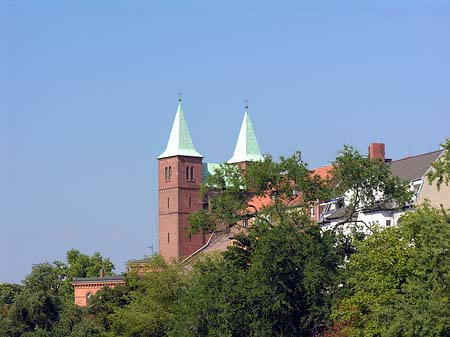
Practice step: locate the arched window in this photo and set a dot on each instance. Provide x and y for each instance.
(170, 172)
(192, 173)
(187, 172)
(88, 298)
(166, 173)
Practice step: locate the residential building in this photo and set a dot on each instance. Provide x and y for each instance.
(412, 169)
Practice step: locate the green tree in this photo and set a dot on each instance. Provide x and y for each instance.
(108, 300)
(441, 168)
(43, 305)
(145, 309)
(275, 281)
(231, 193)
(210, 303)
(8, 292)
(400, 279)
(76, 322)
(280, 275)
(363, 183)
(81, 265)
(36, 309)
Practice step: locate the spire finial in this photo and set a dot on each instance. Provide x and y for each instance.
(246, 104)
(179, 96)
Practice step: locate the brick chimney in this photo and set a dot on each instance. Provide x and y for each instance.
(376, 150)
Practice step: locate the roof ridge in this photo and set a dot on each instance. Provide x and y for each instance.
(417, 155)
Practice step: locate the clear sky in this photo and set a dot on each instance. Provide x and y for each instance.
(88, 93)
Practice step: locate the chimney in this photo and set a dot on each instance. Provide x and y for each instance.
(376, 150)
(102, 273)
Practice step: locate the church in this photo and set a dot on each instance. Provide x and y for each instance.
(181, 171)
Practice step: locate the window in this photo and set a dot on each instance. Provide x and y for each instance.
(168, 173)
(168, 202)
(189, 173)
(190, 238)
(245, 223)
(190, 201)
(388, 223)
(88, 298)
(168, 237)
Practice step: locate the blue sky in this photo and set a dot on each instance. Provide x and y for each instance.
(88, 93)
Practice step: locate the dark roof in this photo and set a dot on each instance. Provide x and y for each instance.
(413, 168)
(336, 214)
(100, 279)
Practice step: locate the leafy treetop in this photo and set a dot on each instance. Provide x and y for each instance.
(234, 194)
(441, 168)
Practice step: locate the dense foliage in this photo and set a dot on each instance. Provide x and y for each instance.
(399, 282)
(43, 304)
(276, 281)
(233, 192)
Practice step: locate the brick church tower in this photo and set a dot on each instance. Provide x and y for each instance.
(180, 174)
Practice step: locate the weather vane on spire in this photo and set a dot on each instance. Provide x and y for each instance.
(179, 96)
(246, 104)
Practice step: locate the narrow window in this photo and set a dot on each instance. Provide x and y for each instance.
(190, 201)
(170, 172)
(168, 202)
(245, 223)
(166, 175)
(192, 172)
(187, 172)
(168, 237)
(88, 298)
(190, 238)
(388, 223)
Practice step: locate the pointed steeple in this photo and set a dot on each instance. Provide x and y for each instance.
(247, 148)
(180, 141)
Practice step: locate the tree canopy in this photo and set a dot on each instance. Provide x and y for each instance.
(43, 304)
(364, 183)
(232, 193)
(399, 282)
(441, 168)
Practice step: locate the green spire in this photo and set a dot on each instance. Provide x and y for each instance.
(180, 141)
(247, 148)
